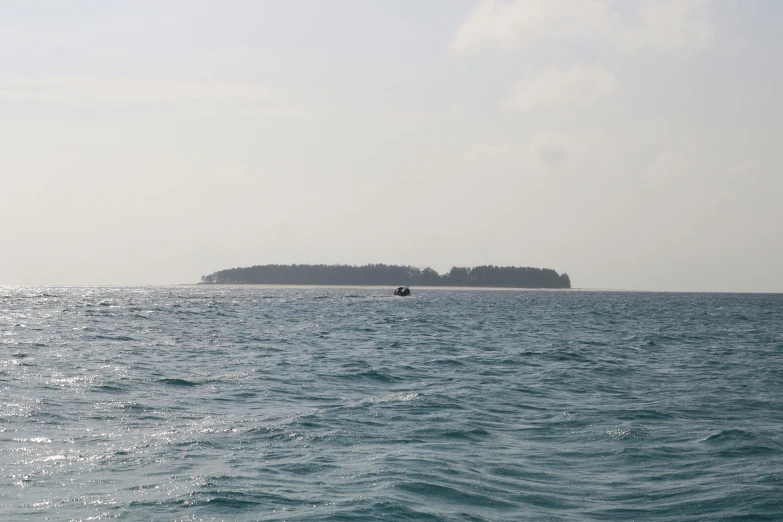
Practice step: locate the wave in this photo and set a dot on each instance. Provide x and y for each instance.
(178, 382)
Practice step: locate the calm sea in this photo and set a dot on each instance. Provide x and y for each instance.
(260, 403)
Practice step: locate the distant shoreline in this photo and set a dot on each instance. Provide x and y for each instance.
(477, 288)
(379, 287)
(485, 276)
(423, 287)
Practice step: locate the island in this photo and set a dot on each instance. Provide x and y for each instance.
(390, 275)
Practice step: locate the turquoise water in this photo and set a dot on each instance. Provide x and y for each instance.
(254, 403)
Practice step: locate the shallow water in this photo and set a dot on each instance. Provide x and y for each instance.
(258, 403)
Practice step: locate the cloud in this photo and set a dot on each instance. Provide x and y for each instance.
(18, 35)
(130, 89)
(669, 25)
(657, 25)
(555, 87)
(479, 152)
(283, 111)
(520, 23)
(552, 153)
(548, 149)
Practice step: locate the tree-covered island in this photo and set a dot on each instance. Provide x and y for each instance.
(391, 275)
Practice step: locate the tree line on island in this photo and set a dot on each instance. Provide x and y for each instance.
(391, 275)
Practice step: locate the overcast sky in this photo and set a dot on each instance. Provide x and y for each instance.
(631, 144)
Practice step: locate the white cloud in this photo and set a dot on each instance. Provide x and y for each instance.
(284, 111)
(520, 23)
(17, 35)
(659, 25)
(133, 89)
(588, 149)
(555, 87)
(669, 25)
(549, 149)
(479, 152)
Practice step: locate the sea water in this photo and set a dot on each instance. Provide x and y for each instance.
(262, 403)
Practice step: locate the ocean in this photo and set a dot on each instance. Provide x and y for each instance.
(265, 403)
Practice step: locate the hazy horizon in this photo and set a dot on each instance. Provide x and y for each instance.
(632, 145)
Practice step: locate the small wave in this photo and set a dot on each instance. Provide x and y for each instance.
(178, 382)
(751, 450)
(303, 469)
(198, 443)
(570, 356)
(627, 433)
(470, 435)
(740, 443)
(400, 397)
(645, 414)
(114, 338)
(109, 388)
(593, 343)
(36, 440)
(397, 397)
(51, 458)
(34, 296)
(232, 500)
(730, 436)
(448, 494)
(385, 511)
(372, 375)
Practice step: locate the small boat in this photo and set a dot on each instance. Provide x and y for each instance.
(402, 291)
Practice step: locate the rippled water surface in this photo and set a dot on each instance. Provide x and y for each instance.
(261, 403)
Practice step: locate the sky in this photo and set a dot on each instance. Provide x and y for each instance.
(631, 144)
